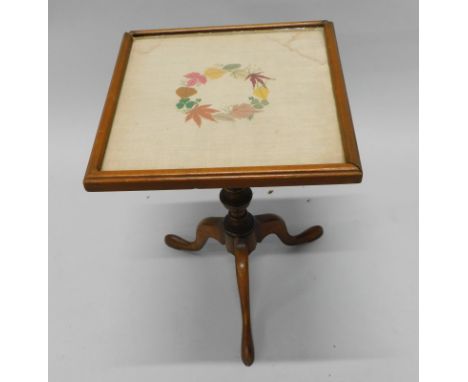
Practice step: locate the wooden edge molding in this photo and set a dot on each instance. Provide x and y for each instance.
(259, 176)
(227, 28)
(136, 183)
(222, 177)
(110, 106)
(348, 137)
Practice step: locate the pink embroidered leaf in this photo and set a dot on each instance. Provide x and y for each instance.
(244, 110)
(195, 78)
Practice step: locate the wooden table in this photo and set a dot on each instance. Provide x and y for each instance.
(230, 107)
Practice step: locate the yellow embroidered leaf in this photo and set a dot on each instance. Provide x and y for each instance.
(261, 92)
(213, 73)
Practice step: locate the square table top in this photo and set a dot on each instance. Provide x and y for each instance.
(231, 106)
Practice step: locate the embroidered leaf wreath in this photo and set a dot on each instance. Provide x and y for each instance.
(193, 108)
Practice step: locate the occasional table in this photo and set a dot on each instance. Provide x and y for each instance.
(228, 107)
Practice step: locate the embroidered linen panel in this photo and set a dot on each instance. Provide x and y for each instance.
(229, 99)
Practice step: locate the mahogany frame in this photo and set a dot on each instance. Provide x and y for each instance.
(225, 177)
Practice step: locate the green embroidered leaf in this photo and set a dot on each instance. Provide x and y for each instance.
(256, 103)
(265, 102)
(184, 100)
(180, 105)
(190, 104)
(231, 66)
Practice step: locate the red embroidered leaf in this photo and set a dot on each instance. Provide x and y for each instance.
(257, 78)
(199, 112)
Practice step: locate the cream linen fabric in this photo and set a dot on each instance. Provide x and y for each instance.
(299, 126)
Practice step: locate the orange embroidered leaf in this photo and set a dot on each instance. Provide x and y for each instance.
(185, 92)
(199, 112)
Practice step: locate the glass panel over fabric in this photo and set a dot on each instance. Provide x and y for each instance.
(226, 99)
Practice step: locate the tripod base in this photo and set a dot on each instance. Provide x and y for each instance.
(240, 232)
